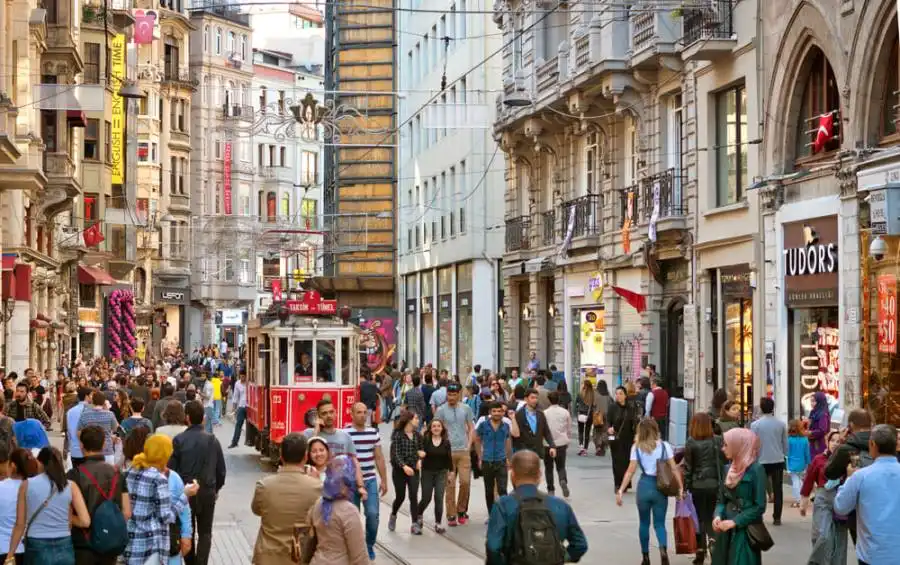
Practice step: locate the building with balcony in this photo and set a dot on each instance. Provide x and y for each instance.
(287, 187)
(595, 124)
(164, 179)
(225, 228)
(450, 193)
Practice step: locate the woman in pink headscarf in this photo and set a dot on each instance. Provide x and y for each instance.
(742, 500)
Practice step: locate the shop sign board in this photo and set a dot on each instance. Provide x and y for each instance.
(735, 281)
(887, 314)
(810, 258)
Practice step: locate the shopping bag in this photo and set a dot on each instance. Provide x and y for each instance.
(685, 535)
(685, 508)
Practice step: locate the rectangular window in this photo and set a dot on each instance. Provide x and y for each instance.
(107, 141)
(218, 149)
(418, 241)
(92, 140)
(281, 106)
(462, 220)
(409, 239)
(91, 63)
(87, 296)
(309, 212)
(731, 148)
(310, 170)
(261, 150)
(452, 224)
(283, 156)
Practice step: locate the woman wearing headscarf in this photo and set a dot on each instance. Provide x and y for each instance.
(340, 538)
(153, 509)
(819, 424)
(742, 500)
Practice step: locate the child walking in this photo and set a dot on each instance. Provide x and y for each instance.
(797, 458)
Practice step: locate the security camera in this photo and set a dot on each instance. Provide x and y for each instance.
(878, 248)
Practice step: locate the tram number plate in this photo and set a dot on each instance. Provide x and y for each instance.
(276, 400)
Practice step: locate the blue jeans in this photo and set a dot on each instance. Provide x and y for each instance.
(217, 411)
(651, 504)
(370, 509)
(208, 421)
(53, 551)
(239, 417)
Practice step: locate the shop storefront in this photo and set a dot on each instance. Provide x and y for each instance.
(463, 317)
(170, 328)
(426, 320)
(230, 324)
(412, 319)
(588, 326)
(811, 282)
(737, 334)
(445, 318)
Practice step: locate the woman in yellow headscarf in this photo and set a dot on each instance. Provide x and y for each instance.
(154, 507)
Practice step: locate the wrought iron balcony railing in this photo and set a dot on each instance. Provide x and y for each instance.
(710, 19)
(518, 233)
(548, 227)
(583, 214)
(667, 201)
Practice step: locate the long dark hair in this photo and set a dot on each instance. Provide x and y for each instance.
(26, 464)
(51, 459)
(603, 388)
(404, 418)
(134, 442)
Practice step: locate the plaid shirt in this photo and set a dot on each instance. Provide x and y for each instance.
(405, 451)
(415, 402)
(152, 510)
(30, 410)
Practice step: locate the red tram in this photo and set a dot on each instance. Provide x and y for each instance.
(297, 355)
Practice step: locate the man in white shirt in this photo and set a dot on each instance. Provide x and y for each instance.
(239, 398)
(559, 421)
(223, 348)
(205, 391)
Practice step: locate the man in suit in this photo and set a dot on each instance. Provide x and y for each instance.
(283, 500)
(533, 429)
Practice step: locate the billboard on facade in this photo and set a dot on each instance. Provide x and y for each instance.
(226, 184)
(117, 55)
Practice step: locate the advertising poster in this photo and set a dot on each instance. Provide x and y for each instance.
(226, 182)
(117, 127)
(887, 314)
(819, 366)
(593, 344)
(379, 343)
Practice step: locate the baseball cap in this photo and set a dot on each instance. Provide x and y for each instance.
(454, 387)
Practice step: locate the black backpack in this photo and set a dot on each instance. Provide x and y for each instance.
(536, 540)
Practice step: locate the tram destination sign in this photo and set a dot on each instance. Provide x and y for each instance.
(312, 304)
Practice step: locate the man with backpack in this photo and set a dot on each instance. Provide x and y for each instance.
(107, 501)
(529, 527)
(854, 449)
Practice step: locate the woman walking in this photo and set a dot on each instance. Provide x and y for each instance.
(406, 461)
(819, 424)
(622, 419)
(340, 538)
(702, 469)
(647, 452)
(829, 535)
(20, 466)
(45, 505)
(729, 417)
(585, 406)
(436, 467)
(601, 407)
(742, 500)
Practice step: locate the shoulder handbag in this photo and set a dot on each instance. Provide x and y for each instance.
(665, 479)
(598, 417)
(758, 535)
(304, 541)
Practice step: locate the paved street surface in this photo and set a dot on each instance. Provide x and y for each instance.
(611, 531)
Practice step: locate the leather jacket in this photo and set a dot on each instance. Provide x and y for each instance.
(702, 463)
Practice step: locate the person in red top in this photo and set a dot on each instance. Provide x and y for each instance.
(658, 406)
(815, 473)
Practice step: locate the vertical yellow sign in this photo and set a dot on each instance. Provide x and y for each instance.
(117, 53)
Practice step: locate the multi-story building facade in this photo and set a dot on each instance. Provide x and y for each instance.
(287, 185)
(163, 192)
(223, 275)
(450, 193)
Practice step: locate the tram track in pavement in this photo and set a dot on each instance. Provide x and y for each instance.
(399, 559)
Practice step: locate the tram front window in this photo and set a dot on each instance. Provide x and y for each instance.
(325, 361)
(303, 361)
(282, 361)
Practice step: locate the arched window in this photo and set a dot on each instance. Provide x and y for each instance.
(206, 39)
(229, 47)
(244, 47)
(889, 110)
(218, 41)
(820, 96)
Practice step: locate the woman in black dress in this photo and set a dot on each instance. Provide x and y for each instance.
(622, 418)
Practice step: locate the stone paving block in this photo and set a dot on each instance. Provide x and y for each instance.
(229, 546)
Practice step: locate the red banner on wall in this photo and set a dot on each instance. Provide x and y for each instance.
(227, 181)
(887, 314)
(276, 290)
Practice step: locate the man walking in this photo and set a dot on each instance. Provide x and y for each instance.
(22, 407)
(415, 399)
(658, 405)
(508, 514)
(457, 418)
(283, 501)
(533, 428)
(197, 456)
(367, 442)
(73, 416)
(206, 392)
(239, 399)
(559, 420)
(871, 492)
(773, 442)
(167, 393)
(339, 441)
(493, 444)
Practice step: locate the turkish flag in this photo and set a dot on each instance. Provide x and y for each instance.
(637, 301)
(92, 236)
(276, 290)
(825, 133)
(144, 25)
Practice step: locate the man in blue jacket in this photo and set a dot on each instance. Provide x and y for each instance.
(503, 523)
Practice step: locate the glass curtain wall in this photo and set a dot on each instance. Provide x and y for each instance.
(445, 318)
(464, 318)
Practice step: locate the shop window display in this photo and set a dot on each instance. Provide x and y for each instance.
(813, 365)
(739, 352)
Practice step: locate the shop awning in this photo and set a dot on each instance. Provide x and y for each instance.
(538, 264)
(76, 118)
(94, 275)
